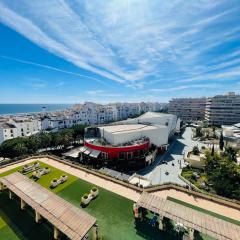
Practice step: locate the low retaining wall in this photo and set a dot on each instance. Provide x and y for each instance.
(207, 196)
(189, 183)
(167, 186)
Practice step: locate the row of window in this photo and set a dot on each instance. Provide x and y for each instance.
(126, 155)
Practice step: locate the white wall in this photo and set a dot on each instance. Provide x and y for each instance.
(1, 135)
(157, 136)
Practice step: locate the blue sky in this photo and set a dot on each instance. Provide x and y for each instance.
(118, 50)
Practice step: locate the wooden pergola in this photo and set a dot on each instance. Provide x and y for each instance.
(65, 217)
(193, 219)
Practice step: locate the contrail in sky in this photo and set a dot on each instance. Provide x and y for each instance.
(52, 68)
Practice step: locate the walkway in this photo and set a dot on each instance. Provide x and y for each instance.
(134, 195)
(195, 220)
(174, 155)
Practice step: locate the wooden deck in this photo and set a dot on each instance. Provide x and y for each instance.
(202, 222)
(67, 218)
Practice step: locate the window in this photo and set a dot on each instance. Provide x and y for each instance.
(129, 155)
(121, 156)
(104, 155)
(136, 153)
(142, 152)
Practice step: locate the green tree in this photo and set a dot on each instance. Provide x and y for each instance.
(32, 143)
(214, 132)
(66, 137)
(199, 132)
(221, 142)
(20, 149)
(195, 150)
(212, 151)
(78, 131)
(224, 174)
(13, 148)
(55, 139)
(231, 153)
(45, 139)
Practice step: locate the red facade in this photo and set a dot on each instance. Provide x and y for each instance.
(113, 152)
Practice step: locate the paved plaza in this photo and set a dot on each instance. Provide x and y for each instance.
(174, 158)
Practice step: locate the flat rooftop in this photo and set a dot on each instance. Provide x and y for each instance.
(124, 128)
(155, 115)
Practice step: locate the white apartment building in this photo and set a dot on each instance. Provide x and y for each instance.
(87, 113)
(218, 110)
(19, 127)
(223, 109)
(188, 109)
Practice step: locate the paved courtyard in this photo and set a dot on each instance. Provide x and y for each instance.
(174, 158)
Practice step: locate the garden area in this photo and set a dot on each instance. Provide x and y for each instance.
(195, 176)
(219, 175)
(113, 212)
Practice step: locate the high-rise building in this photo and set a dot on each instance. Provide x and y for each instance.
(188, 109)
(223, 109)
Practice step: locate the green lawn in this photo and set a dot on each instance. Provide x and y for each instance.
(113, 213)
(46, 179)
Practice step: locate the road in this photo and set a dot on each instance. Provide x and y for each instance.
(174, 155)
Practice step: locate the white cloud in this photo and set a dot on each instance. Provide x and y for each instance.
(102, 93)
(36, 83)
(130, 43)
(183, 87)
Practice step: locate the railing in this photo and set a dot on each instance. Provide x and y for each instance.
(161, 187)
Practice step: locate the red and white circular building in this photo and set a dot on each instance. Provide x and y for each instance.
(130, 151)
(129, 141)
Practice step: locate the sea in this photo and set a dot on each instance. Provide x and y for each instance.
(7, 109)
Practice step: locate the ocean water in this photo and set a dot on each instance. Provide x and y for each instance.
(30, 108)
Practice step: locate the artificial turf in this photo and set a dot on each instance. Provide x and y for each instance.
(45, 180)
(112, 211)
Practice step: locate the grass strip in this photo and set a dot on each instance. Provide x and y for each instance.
(227, 219)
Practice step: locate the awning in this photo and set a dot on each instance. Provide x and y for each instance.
(82, 149)
(95, 153)
(87, 151)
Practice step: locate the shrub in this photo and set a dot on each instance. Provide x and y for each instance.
(85, 196)
(94, 189)
(195, 150)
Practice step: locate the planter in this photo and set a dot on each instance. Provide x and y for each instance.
(37, 175)
(94, 192)
(63, 178)
(27, 168)
(86, 199)
(36, 164)
(55, 182)
(47, 170)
